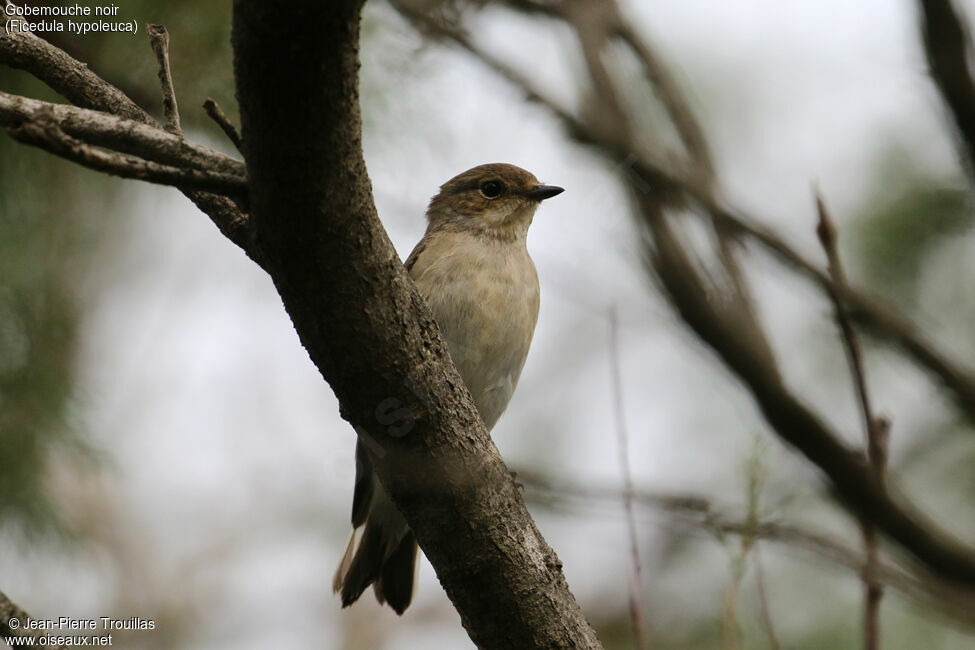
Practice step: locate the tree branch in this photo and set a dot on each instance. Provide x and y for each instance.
(13, 622)
(127, 136)
(217, 115)
(855, 482)
(46, 134)
(701, 514)
(948, 50)
(641, 632)
(875, 430)
(371, 334)
(70, 78)
(159, 39)
(82, 87)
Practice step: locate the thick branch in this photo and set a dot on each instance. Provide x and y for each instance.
(371, 334)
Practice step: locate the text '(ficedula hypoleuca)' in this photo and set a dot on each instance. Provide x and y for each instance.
(473, 268)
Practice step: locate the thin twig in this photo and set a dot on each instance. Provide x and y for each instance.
(874, 430)
(637, 606)
(159, 39)
(700, 513)
(218, 116)
(46, 134)
(826, 232)
(764, 609)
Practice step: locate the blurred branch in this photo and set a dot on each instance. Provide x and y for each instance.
(765, 611)
(881, 318)
(855, 482)
(875, 430)
(78, 84)
(13, 626)
(637, 607)
(948, 50)
(701, 514)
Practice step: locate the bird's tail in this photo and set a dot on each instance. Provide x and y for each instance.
(385, 555)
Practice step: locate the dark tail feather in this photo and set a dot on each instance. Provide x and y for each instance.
(375, 560)
(395, 582)
(365, 566)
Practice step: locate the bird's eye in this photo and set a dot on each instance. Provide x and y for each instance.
(492, 189)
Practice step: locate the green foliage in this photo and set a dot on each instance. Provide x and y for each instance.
(907, 220)
(38, 332)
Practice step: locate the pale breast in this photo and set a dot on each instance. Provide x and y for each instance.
(484, 296)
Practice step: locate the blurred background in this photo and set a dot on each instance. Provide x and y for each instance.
(168, 450)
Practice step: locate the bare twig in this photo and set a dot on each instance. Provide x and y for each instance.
(637, 606)
(65, 75)
(127, 136)
(793, 421)
(701, 514)
(874, 431)
(159, 39)
(14, 626)
(764, 609)
(826, 231)
(948, 52)
(218, 116)
(881, 318)
(75, 81)
(46, 134)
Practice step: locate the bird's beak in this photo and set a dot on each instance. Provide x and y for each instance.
(542, 192)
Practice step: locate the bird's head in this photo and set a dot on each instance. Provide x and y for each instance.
(497, 199)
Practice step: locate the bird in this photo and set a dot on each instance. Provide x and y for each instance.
(473, 268)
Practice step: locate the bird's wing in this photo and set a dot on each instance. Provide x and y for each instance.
(415, 255)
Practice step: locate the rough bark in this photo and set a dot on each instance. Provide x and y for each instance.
(370, 333)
